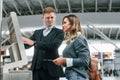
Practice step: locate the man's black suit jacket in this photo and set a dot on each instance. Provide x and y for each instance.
(47, 48)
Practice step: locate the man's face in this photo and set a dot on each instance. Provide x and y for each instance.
(49, 19)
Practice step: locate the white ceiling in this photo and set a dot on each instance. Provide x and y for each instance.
(32, 7)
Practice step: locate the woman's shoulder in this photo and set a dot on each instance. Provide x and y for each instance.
(80, 39)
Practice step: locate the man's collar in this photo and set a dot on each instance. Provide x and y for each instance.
(49, 27)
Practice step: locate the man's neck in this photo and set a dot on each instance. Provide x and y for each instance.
(49, 26)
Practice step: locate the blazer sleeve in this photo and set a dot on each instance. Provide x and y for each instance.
(82, 52)
(32, 38)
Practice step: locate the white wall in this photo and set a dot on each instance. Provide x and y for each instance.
(104, 19)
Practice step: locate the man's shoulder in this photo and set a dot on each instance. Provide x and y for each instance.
(57, 29)
(38, 30)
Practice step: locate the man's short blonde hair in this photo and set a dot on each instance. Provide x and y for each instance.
(48, 10)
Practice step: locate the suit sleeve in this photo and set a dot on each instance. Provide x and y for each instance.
(32, 38)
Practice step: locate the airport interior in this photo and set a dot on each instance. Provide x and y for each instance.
(100, 20)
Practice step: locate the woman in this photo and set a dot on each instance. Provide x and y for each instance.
(76, 55)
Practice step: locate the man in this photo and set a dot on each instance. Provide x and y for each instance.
(46, 42)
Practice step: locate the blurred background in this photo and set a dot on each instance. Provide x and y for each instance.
(100, 20)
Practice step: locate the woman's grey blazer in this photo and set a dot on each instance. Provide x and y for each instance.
(78, 50)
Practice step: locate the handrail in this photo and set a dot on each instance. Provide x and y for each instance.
(102, 35)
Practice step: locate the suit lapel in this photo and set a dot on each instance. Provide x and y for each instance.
(39, 35)
(51, 34)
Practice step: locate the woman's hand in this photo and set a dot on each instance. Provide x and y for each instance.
(59, 61)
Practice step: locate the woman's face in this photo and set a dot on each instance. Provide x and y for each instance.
(66, 25)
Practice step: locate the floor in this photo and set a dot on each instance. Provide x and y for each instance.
(105, 78)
